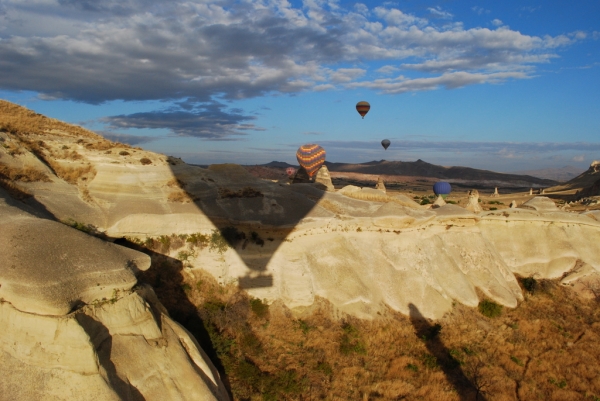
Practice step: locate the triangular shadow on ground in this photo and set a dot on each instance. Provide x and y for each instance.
(254, 215)
(429, 334)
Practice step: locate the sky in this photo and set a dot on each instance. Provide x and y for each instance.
(506, 86)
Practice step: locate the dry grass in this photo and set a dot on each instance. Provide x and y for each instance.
(181, 196)
(73, 174)
(27, 174)
(14, 190)
(547, 348)
(22, 122)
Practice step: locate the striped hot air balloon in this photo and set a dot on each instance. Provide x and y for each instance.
(311, 157)
(363, 108)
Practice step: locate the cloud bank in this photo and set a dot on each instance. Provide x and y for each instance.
(96, 51)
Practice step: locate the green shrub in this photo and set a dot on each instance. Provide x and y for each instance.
(350, 341)
(429, 361)
(490, 308)
(217, 242)
(260, 308)
(529, 283)
(412, 367)
(425, 201)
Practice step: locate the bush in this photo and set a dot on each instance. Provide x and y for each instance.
(124, 153)
(145, 161)
(425, 201)
(489, 308)
(260, 308)
(529, 283)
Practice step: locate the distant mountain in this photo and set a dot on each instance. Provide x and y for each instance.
(421, 168)
(278, 164)
(562, 174)
(587, 179)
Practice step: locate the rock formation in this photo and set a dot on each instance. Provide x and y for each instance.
(540, 203)
(473, 202)
(76, 327)
(380, 185)
(301, 176)
(439, 202)
(323, 179)
(513, 204)
(495, 194)
(530, 191)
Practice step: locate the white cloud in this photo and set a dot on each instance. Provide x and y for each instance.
(387, 69)
(480, 10)
(579, 158)
(439, 13)
(497, 22)
(347, 74)
(101, 50)
(448, 81)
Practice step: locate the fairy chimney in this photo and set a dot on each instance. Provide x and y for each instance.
(380, 185)
(473, 203)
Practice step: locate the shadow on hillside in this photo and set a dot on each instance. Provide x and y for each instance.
(165, 275)
(95, 329)
(429, 333)
(254, 224)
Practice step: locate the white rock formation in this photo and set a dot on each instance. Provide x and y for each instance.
(513, 204)
(74, 328)
(473, 202)
(323, 178)
(540, 203)
(439, 202)
(495, 194)
(380, 185)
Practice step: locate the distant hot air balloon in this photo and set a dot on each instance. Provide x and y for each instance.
(363, 108)
(311, 157)
(385, 143)
(442, 188)
(290, 171)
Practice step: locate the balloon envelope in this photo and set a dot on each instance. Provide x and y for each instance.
(290, 171)
(442, 188)
(311, 157)
(385, 143)
(363, 108)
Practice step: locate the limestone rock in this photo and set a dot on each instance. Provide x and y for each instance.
(380, 185)
(301, 176)
(116, 350)
(540, 203)
(473, 202)
(439, 202)
(495, 194)
(323, 179)
(530, 191)
(513, 204)
(48, 267)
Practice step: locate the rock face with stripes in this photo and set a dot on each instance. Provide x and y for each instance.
(311, 157)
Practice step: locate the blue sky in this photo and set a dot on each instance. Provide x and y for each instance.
(505, 86)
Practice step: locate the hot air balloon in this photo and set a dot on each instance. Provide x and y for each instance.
(290, 171)
(442, 188)
(385, 143)
(363, 108)
(311, 157)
